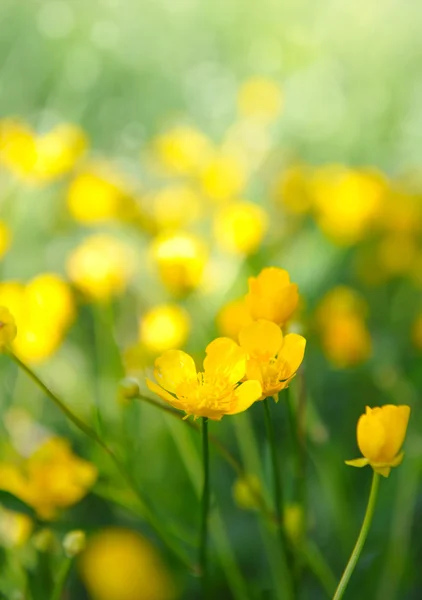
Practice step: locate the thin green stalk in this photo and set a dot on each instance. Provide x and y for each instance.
(278, 492)
(319, 567)
(205, 507)
(61, 579)
(341, 588)
(91, 433)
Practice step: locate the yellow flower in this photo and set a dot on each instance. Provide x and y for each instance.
(240, 227)
(175, 206)
(164, 327)
(7, 327)
(5, 238)
(271, 296)
(18, 151)
(15, 528)
(49, 300)
(119, 564)
(213, 393)
(380, 435)
(273, 359)
(58, 151)
(232, 317)
(100, 267)
(183, 150)
(181, 260)
(223, 178)
(260, 98)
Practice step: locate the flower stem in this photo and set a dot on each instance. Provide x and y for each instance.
(61, 580)
(205, 506)
(278, 491)
(341, 588)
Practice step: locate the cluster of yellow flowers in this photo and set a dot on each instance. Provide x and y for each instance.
(43, 309)
(235, 375)
(52, 478)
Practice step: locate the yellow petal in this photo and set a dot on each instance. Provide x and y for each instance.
(357, 462)
(395, 420)
(246, 394)
(261, 339)
(174, 367)
(254, 371)
(225, 359)
(371, 436)
(292, 352)
(157, 389)
(384, 471)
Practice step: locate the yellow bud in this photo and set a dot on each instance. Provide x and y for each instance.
(128, 389)
(74, 543)
(44, 540)
(271, 295)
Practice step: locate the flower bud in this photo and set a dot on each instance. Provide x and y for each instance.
(74, 543)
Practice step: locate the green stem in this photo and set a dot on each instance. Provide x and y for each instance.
(278, 491)
(87, 430)
(205, 507)
(341, 588)
(61, 579)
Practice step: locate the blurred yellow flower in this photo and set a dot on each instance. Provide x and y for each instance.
(164, 327)
(271, 295)
(247, 491)
(49, 299)
(12, 295)
(401, 212)
(183, 150)
(15, 528)
(52, 478)
(292, 190)
(175, 206)
(273, 359)
(213, 393)
(240, 227)
(100, 267)
(58, 151)
(96, 196)
(119, 564)
(397, 253)
(260, 98)
(294, 521)
(232, 317)
(380, 435)
(36, 341)
(223, 177)
(340, 318)
(347, 202)
(181, 259)
(5, 238)
(7, 328)
(18, 151)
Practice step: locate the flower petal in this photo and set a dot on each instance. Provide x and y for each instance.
(157, 389)
(395, 420)
(246, 394)
(384, 471)
(225, 359)
(357, 462)
(174, 367)
(371, 435)
(292, 352)
(261, 339)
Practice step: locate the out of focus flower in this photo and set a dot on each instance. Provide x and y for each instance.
(292, 190)
(273, 359)
(119, 564)
(271, 296)
(213, 393)
(247, 491)
(98, 196)
(397, 253)
(223, 178)
(183, 150)
(347, 202)
(164, 327)
(74, 543)
(100, 267)
(15, 528)
(18, 151)
(380, 434)
(175, 206)
(52, 478)
(181, 259)
(232, 317)
(341, 321)
(49, 299)
(294, 522)
(401, 213)
(7, 328)
(260, 98)
(5, 238)
(58, 151)
(128, 389)
(240, 227)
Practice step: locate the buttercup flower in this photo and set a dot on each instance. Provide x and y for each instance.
(7, 327)
(212, 393)
(380, 434)
(273, 359)
(232, 317)
(271, 295)
(163, 327)
(240, 227)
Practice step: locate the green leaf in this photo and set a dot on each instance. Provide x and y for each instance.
(12, 502)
